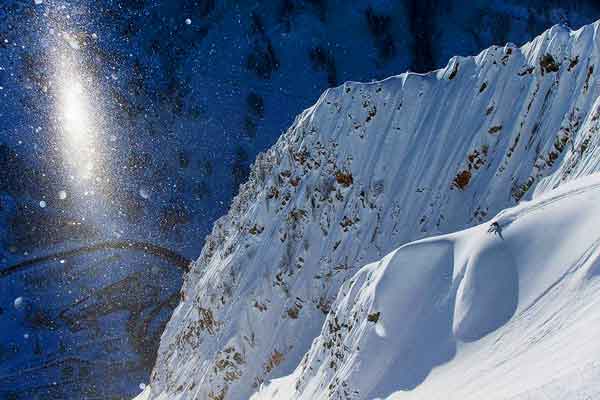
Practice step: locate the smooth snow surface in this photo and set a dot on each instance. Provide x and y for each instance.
(470, 315)
(371, 167)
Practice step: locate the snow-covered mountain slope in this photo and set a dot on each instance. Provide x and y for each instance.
(369, 168)
(185, 94)
(470, 315)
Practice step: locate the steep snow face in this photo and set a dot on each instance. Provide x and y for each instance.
(188, 92)
(368, 168)
(505, 315)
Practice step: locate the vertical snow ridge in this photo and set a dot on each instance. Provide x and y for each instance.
(369, 167)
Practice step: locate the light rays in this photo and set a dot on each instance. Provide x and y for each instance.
(78, 127)
(79, 116)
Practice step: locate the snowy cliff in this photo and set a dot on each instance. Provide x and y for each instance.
(504, 315)
(367, 169)
(187, 93)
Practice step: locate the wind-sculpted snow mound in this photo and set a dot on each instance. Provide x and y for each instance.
(486, 308)
(489, 293)
(369, 168)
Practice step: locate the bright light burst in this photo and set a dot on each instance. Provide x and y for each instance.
(78, 120)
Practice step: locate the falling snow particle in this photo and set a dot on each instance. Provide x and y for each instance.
(142, 386)
(19, 301)
(62, 195)
(43, 204)
(70, 39)
(144, 193)
(38, 2)
(188, 21)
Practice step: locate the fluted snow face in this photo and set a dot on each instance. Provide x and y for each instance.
(469, 315)
(369, 168)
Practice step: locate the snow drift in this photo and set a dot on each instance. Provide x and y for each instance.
(369, 168)
(500, 316)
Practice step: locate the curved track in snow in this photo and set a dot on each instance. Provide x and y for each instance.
(171, 256)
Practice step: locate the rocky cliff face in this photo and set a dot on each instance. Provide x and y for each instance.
(368, 168)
